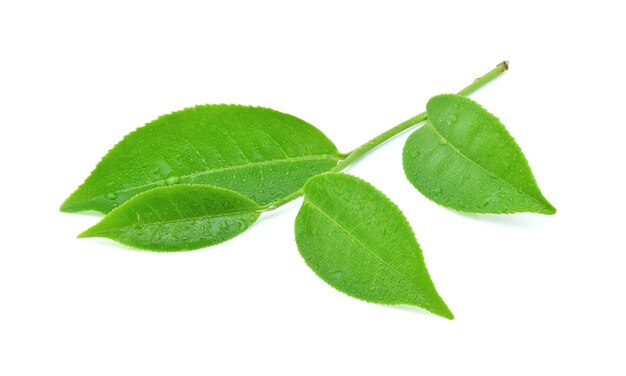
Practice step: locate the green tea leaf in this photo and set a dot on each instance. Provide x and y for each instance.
(465, 159)
(261, 153)
(178, 218)
(359, 242)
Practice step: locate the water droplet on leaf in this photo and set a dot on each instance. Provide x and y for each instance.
(173, 180)
(111, 196)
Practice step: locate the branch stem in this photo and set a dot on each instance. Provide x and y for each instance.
(392, 132)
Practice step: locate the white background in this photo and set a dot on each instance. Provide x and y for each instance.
(532, 294)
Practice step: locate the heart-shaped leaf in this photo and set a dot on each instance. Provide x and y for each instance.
(261, 153)
(359, 242)
(465, 159)
(178, 218)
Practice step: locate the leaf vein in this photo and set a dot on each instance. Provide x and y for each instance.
(459, 152)
(357, 240)
(235, 168)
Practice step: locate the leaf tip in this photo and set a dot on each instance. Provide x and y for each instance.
(441, 309)
(89, 233)
(447, 314)
(74, 204)
(547, 208)
(551, 210)
(66, 206)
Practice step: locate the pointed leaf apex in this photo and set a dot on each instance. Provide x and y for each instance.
(442, 310)
(89, 233)
(550, 209)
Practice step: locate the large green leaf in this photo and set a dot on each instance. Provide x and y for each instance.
(359, 242)
(465, 159)
(258, 152)
(178, 218)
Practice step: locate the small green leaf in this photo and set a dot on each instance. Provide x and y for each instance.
(178, 218)
(261, 153)
(465, 159)
(359, 242)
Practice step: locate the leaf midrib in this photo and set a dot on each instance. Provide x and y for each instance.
(179, 220)
(233, 168)
(459, 152)
(360, 242)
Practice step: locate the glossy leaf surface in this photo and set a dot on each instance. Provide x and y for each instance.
(261, 153)
(465, 159)
(359, 242)
(178, 218)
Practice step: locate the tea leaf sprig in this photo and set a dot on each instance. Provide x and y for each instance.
(203, 175)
